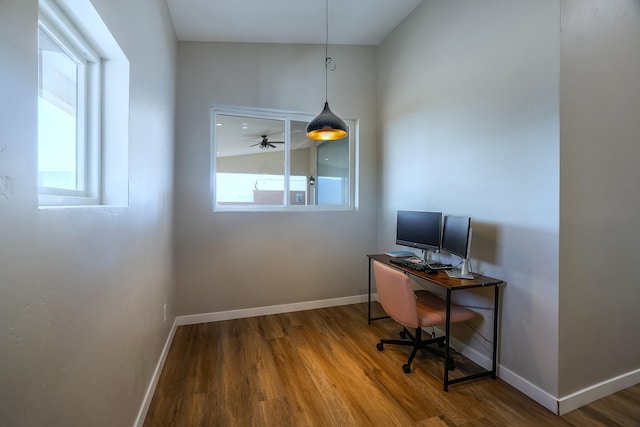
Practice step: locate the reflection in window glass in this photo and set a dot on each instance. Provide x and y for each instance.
(333, 172)
(252, 189)
(57, 117)
(250, 161)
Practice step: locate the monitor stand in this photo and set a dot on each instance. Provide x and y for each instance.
(428, 256)
(463, 273)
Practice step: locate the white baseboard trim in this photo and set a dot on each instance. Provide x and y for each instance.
(271, 309)
(529, 389)
(558, 406)
(533, 392)
(597, 391)
(146, 402)
(564, 405)
(473, 354)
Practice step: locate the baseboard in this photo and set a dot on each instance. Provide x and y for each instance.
(146, 402)
(533, 392)
(472, 354)
(558, 406)
(469, 352)
(271, 309)
(529, 389)
(597, 391)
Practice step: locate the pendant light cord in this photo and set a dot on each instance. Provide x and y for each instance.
(329, 65)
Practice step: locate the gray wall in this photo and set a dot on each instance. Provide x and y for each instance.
(82, 289)
(600, 195)
(227, 260)
(468, 99)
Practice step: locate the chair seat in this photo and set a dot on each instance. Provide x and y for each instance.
(432, 310)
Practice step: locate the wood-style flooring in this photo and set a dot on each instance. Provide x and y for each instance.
(321, 368)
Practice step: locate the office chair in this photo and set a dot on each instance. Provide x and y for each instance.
(413, 309)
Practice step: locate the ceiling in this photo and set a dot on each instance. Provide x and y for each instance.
(238, 135)
(355, 22)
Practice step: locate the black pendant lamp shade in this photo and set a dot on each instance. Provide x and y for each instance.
(326, 126)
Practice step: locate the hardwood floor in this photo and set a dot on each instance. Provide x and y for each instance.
(321, 368)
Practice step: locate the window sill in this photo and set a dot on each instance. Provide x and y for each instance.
(305, 208)
(49, 201)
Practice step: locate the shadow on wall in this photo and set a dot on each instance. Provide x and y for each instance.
(484, 242)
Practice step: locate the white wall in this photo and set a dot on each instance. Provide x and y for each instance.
(600, 195)
(82, 289)
(226, 260)
(468, 98)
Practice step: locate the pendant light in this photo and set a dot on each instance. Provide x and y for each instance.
(327, 126)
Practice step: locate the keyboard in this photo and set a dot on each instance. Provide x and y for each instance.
(438, 266)
(421, 265)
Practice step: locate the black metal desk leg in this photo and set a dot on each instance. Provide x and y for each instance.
(369, 301)
(447, 334)
(495, 329)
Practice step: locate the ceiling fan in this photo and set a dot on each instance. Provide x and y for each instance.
(265, 143)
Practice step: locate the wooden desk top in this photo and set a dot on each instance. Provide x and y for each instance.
(441, 278)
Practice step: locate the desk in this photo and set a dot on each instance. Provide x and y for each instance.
(450, 284)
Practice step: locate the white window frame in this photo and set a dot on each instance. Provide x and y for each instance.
(57, 26)
(286, 117)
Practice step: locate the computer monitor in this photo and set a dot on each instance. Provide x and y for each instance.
(456, 240)
(419, 229)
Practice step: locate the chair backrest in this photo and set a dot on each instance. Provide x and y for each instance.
(396, 294)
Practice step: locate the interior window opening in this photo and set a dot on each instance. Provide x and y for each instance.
(263, 160)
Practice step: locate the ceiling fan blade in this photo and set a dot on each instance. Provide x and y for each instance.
(253, 145)
(271, 145)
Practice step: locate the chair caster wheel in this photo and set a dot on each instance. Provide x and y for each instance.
(451, 365)
(406, 368)
(379, 346)
(441, 344)
(403, 334)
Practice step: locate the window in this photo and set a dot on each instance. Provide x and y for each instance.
(263, 160)
(83, 108)
(68, 110)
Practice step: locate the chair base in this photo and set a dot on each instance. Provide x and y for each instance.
(418, 344)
